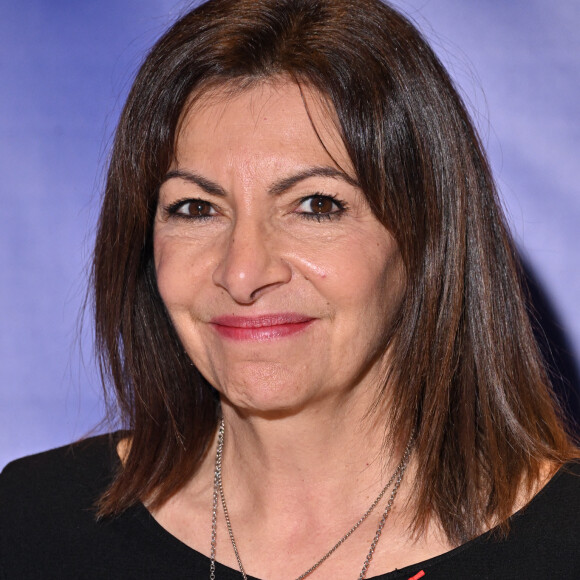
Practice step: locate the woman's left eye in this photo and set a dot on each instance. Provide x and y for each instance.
(320, 207)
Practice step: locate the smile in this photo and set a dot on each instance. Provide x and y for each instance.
(261, 328)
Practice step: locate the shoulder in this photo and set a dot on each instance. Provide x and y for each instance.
(46, 500)
(49, 529)
(544, 537)
(60, 475)
(560, 492)
(557, 504)
(550, 519)
(543, 540)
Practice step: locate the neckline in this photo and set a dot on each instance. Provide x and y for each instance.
(152, 525)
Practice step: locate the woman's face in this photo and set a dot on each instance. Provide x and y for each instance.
(279, 279)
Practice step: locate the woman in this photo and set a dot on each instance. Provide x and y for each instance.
(308, 305)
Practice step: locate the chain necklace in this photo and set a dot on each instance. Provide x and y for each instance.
(218, 493)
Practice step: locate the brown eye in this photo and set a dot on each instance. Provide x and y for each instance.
(196, 208)
(320, 206)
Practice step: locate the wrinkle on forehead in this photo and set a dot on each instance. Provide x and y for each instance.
(318, 108)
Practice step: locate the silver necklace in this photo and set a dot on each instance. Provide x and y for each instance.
(218, 493)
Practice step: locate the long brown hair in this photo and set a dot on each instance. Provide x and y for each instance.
(466, 374)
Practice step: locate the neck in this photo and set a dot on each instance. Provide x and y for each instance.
(306, 462)
(305, 498)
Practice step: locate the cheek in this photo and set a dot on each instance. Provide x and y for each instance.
(371, 291)
(356, 272)
(177, 270)
(168, 283)
(389, 282)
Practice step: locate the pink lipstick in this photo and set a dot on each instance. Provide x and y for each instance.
(263, 327)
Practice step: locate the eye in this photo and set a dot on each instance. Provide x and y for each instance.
(321, 206)
(192, 208)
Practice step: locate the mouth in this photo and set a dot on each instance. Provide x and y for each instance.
(261, 328)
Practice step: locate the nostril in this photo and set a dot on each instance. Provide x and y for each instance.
(250, 268)
(251, 265)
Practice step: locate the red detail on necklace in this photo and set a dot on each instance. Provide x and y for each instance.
(417, 576)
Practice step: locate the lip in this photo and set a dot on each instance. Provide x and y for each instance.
(261, 328)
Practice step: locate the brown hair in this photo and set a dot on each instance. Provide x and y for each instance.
(466, 373)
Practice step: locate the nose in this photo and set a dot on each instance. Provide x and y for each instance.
(250, 265)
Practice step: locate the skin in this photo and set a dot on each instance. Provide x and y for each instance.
(303, 458)
(259, 253)
(236, 234)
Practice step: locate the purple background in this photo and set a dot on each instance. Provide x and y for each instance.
(65, 68)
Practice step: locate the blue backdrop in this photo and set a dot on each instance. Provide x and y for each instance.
(65, 68)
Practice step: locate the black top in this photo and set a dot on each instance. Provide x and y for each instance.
(48, 530)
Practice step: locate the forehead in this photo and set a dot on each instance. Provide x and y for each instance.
(266, 119)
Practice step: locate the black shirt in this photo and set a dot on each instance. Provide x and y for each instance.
(48, 530)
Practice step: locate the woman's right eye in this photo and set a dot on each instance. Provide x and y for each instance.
(193, 208)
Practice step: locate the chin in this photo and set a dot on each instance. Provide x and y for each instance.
(266, 391)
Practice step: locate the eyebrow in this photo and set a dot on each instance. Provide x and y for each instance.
(205, 184)
(276, 188)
